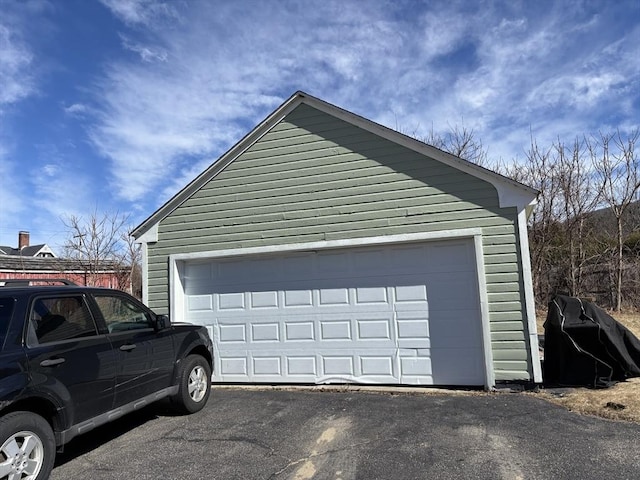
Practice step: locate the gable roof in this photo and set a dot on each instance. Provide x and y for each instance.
(30, 251)
(510, 192)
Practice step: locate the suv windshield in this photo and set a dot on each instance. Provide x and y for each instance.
(6, 309)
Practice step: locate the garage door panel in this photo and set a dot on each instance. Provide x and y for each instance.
(231, 301)
(408, 259)
(413, 331)
(198, 271)
(392, 314)
(456, 366)
(449, 291)
(305, 366)
(232, 333)
(371, 295)
(377, 365)
(263, 300)
(411, 293)
(197, 303)
(265, 332)
(269, 365)
(416, 367)
(333, 297)
(333, 330)
(300, 331)
(449, 257)
(298, 298)
(296, 266)
(233, 365)
(370, 261)
(374, 329)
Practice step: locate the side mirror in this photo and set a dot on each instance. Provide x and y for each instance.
(162, 322)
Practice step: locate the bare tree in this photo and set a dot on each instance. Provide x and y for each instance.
(579, 197)
(96, 243)
(539, 172)
(132, 260)
(618, 170)
(461, 142)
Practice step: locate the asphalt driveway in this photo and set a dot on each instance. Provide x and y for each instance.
(300, 435)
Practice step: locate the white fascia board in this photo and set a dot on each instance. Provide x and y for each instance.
(330, 244)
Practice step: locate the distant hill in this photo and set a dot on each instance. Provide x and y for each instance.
(604, 221)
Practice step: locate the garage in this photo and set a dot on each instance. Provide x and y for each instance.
(326, 248)
(390, 314)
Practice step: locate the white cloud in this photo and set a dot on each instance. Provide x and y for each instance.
(76, 109)
(11, 200)
(15, 62)
(143, 12)
(147, 54)
(207, 73)
(58, 190)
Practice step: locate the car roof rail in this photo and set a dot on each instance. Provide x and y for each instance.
(27, 282)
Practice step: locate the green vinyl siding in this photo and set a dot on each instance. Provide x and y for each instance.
(313, 177)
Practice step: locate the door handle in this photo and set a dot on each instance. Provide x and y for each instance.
(52, 362)
(127, 348)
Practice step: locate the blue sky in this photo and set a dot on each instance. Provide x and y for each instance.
(115, 105)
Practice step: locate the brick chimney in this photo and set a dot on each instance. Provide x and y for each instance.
(23, 240)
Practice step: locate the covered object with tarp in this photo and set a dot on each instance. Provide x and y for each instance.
(585, 346)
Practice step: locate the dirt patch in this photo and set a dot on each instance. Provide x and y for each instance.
(620, 402)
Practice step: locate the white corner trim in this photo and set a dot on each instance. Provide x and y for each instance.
(145, 274)
(490, 377)
(330, 244)
(530, 308)
(176, 287)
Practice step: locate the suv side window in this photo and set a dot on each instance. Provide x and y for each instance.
(54, 319)
(120, 314)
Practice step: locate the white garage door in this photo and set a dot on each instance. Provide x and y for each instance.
(391, 314)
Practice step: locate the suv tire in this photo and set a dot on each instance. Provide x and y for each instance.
(27, 446)
(194, 385)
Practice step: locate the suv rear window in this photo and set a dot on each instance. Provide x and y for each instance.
(6, 310)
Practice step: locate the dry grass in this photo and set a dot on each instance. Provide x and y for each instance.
(620, 402)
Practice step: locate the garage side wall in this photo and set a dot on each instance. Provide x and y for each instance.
(314, 178)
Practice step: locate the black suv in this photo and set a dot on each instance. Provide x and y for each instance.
(74, 358)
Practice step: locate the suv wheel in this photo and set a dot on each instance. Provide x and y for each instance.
(27, 448)
(195, 384)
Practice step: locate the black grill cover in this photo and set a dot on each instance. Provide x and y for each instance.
(584, 346)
